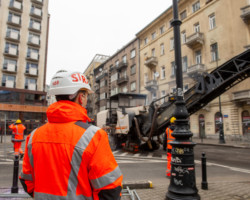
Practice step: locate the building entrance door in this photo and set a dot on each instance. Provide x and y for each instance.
(246, 123)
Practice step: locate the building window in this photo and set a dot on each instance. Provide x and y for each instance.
(154, 96)
(13, 33)
(124, 89)
(11, 49)
(197, 28)
(162, 49)
(214, 52)
(117, 63)
(114, 77)
(114, 91)
(183, 15)
(35, 25)
(133, 69)
(172, 68)
(153, 35)
(31, 68)
(34, 39)
(10, 65)
(153, 52)
(183, 37)
(103, 83)
(196, 6)
(171, 43)
(14, 18)
(163, 93)
(133, 86)
(124, 59)
(212, 23)
(198, 58)
(163, 72)
(103, 96)
(173, 90)
(145, 41)
(132, 53)
(30, 84)
(184, 63)
(185, 88)
(8, 81)
(162, 29)
(33, 53)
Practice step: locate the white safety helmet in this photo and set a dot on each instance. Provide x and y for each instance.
(68, 83)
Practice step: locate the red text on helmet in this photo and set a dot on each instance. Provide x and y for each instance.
(55, 82)
(79, 77)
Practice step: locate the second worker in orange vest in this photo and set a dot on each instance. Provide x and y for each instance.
(68, 158)
(167, 139)
(17, 137)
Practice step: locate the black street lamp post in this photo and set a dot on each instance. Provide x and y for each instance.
(182, 182)
(221, 138)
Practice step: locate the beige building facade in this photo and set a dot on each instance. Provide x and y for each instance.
(23, 58)
(212, 32)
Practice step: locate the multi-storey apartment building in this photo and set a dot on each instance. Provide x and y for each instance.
(89, 72)
(23, 57)
(212, 32)
(118, 74)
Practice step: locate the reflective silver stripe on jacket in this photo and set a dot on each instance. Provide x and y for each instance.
(77, 159)
(42, 196)
(106, 179)
(26, 176)
(30, 148)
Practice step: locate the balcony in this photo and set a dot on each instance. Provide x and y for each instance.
(36, 12)
(151, 61)
(241, 95)
(33, 56)
(35, 26)
(122, 79)
(10, 67)
(246, 14)
(196, 69)
(11, 51)
(13, 35)
(101, 75)
(33, 40)
(16, 6)
(38, 1)
(194, 40)
(14, 20)
(122, 65)
(151, 85)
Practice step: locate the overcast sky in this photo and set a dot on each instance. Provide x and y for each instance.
(80, 29)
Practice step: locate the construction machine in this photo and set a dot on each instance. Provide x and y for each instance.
(133, 126)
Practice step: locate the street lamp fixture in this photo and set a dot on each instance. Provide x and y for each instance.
(182, 182)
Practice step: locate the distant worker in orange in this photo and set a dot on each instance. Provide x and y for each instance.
(68, 158)
(17, 137)
(167, 139)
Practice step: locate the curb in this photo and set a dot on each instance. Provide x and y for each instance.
(224, 145)
(138, 185)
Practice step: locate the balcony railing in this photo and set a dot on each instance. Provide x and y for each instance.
(16, 5)
(13, 35)
(122, 65)
(196, 69)
(151, 61)
(122, 80)
(101, 75)
(14, 20)
(242, 95)
(246, 14)
(151, 85)
(194, 40)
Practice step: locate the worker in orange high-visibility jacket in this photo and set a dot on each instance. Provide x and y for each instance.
(167, 139)
(17, 137)
(68, 158)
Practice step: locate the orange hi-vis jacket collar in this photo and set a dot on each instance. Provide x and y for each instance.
(66, 111)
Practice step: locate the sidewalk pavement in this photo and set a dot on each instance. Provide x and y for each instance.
(217, 190)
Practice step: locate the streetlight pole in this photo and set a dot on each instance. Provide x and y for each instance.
(182, 182)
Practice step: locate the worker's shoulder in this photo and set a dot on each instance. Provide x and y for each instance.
(88, 126)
